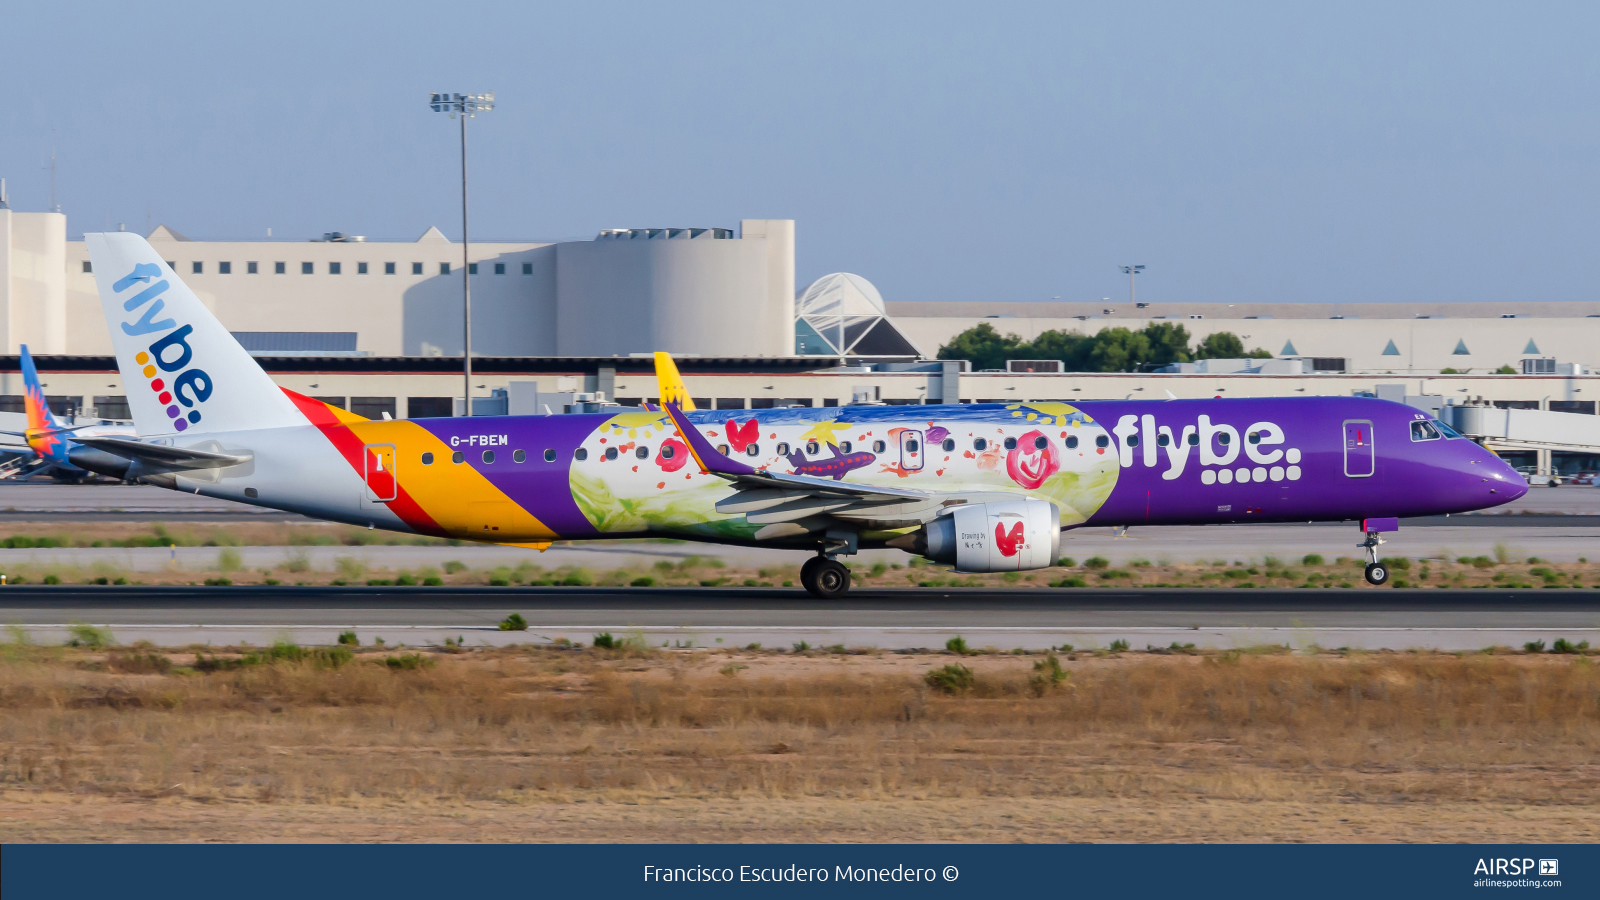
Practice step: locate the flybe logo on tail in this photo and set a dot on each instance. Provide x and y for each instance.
(165, 363)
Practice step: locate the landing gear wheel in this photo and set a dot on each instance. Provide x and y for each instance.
(808, 573)
(829, 579)
(1377, 573)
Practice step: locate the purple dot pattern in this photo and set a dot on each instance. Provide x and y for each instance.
(172, 412)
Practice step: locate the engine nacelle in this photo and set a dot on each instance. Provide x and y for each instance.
(1005, 536)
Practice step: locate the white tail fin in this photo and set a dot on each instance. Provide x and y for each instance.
(182, 370)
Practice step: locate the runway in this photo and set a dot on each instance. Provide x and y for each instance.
(887, 619)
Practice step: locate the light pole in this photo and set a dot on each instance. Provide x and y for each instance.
(466, 106)
(1132, 272)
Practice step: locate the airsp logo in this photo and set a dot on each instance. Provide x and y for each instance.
(1515, 867)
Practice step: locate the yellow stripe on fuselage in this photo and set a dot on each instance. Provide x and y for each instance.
(455, 495)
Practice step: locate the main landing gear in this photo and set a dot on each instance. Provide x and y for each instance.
(1377, 572)
(825, 578)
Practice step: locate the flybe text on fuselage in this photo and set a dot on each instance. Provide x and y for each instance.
(1142, 440)
(191, 386)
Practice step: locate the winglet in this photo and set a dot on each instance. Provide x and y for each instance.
(670, 383)
(711, 461)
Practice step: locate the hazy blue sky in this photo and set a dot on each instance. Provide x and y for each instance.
(1244, 152)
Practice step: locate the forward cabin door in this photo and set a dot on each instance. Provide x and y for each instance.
(1360, 459)
(382, 485)
(911, 450)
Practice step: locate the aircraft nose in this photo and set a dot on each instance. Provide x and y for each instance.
(1516, 485)
(1508, 485)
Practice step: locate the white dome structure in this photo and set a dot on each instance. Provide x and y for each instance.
(843, 315)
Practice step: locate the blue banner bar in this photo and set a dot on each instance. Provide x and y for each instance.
(246, 872)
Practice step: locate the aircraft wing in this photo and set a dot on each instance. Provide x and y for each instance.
(160, 455)
(789, 505)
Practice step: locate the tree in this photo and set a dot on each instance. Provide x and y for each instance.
(1226, 345)
(983, 346)
(1069, 347)
(1108, 350)
(1169, 343)
(1118, 350)
(1505, 370)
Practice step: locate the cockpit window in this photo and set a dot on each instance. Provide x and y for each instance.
(1423, 430)
(1449, 432)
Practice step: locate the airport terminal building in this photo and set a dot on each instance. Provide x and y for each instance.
(375, 327)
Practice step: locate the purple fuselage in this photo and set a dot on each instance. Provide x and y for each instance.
(1286, 459)
(1357, 456)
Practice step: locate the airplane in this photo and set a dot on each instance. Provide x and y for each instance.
(50, 441)
(982, 487)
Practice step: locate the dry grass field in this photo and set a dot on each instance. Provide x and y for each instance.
(588, 744)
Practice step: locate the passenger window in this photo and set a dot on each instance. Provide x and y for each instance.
(519, 456)
(752, 450)
(1162, 440)
(1072, 442)
(1194, 440)
(911, 446)
(458, 457)
(1133, 440)
(723, 449)
(812, 449)
(643, 452)
(1424, 431)
(579, 454)
(877, 446)
(1041, 442)
(1255, 437)
(1224, 439)
(488, 457)
(611, 453)
(844, 446)
(948, 445)
(1102, 441)
(980, 445)
(667, 452)
(549, 454)
(783, 449)
(427, 459)
(1011, 443)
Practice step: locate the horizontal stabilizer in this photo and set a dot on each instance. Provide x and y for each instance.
(43, 432)
(162, 456)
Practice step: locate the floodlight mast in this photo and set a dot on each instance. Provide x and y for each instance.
(464, 106)
(1132, 272)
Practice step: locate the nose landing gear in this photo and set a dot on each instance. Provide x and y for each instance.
(1376, 572)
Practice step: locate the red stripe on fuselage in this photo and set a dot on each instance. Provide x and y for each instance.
(354, 452)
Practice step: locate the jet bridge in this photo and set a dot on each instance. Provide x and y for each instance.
(1536, 430)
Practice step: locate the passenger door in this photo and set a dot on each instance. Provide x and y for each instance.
(382, 485)
(1360, 458)
(911, 450)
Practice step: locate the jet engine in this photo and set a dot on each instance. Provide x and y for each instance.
(1004, 536)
